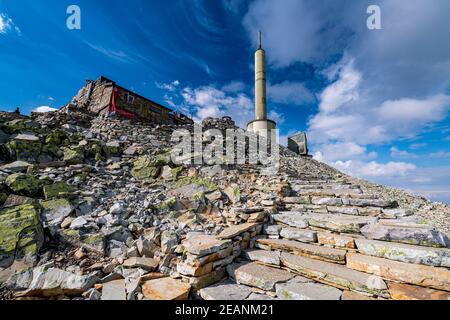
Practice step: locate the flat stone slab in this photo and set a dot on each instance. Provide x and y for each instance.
(307, 291)
(292, 219)
(198, 261)
(314, 251)
(326, 201)
(15, 166)
(198, 283)
(330, 273)
(259, 276)
(370, 203)
(114, 290)
(202, 245)
(148, 264)
(425, 276)
(268, 257)
(188, 270)
(299, 234)
(406, 232)
(236, 230)
(225, 291)
(436, 257)
(336, 240)
(166, 289)
(401, 291)
(339, 222)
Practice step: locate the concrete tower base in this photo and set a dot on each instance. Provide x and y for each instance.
(261, 127)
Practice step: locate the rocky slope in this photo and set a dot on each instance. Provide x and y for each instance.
(93, 208)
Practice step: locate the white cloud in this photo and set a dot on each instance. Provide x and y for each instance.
(7, 24)
(440, 155)
(118, 55)
(234, 86)
(289, 93)
(44, 109)
(374, 169)
(343, 91)
(168, 86)
(397, 153)
(211, 102)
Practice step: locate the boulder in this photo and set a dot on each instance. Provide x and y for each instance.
(21, 234)
(73, 155)
(406, 232)
(58, 190)
(24, 184)
(165, 289)
(16, 166)
(55, 211)
(55, 282)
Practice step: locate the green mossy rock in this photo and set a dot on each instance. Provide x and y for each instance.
(21, 234)
(57, 138)
(22, 150)
(112, 149)
(146, 167)
(19, 125)
(58, 190)
(73, 155)
(24, 184)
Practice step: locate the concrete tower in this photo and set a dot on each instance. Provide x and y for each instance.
(261, 124)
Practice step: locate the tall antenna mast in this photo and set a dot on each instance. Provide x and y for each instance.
(260, 40)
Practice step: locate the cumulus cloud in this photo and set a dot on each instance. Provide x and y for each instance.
(44, 109)
(289, 93)
(209, 101)
(7, 24)
(374, 169)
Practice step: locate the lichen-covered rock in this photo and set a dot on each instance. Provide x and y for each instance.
(73, 155)
(112, 148)
(58, 190)
(21, 234)
(24, 184)
(144, 168)
(26, 150)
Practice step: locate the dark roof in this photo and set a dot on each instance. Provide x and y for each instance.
(103, 78)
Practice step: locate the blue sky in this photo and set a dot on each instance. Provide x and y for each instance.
(375, 103)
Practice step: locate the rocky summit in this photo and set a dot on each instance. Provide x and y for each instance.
(93, 208)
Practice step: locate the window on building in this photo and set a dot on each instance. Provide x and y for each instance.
(155, 110)
(129, 98)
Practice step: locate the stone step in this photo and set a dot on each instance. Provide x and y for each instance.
(406, 232)
(401, 291)
(335, 222)
(338, 222)
(307, 291)
(336, 240)
(305, 249)
(263, 256)
(328, 192)
(292, 219)
(302, 235)
(437, 257)
(425, 276)
(234, 231)
(259, 276)
(334, 274)
(226, 290)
